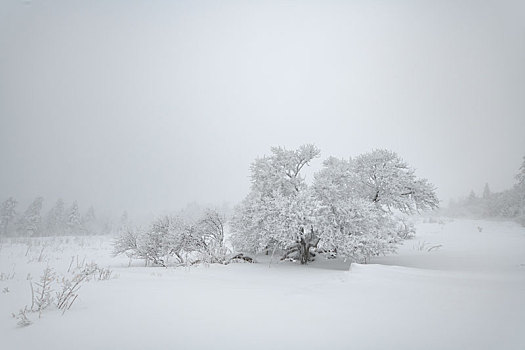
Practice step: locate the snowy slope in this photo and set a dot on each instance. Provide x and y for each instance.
(467, 292)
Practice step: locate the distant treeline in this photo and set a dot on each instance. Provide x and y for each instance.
(60, 220)
(508, 204)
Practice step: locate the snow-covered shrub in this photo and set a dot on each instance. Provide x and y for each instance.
(92, 271)
(7, 276)
(102, 274)
(22, 319)
(160, 241)
(405, 229)
(68, 292)
(172, 237)
(41, 296)
(211, 228)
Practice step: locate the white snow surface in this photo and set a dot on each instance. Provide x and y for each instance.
(467, 292)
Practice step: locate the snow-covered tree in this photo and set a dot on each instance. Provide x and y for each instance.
(520, 189)
(486, 201)
(7, 215)
(106, 224)
(30, 222)
(486, 191)
(388, 181)
(124, 222)
(89, 221)
(73, 220)
(472, 198)
(349, 210)
(55, 219)
(520, 176)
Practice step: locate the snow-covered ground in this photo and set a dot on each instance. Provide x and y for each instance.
(457, 285)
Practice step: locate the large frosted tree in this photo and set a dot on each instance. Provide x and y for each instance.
(349, 209)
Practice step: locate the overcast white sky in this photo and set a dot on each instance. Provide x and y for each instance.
(149, 105)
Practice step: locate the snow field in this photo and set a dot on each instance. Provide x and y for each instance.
(468, 293)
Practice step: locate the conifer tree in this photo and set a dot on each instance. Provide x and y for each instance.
(74, 222)
(7, 215)
(55, 220)
(30, 222)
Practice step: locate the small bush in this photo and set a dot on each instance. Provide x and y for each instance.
(44, 294)
(22, 318)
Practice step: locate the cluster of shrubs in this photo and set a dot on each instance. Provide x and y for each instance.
(176, 240)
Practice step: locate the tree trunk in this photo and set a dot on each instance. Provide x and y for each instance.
(304, 251)
(303, 245)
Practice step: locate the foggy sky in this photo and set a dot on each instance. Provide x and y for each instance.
(149, 105)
